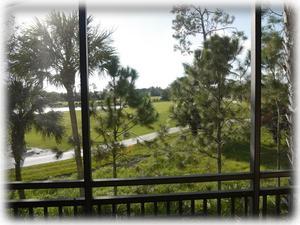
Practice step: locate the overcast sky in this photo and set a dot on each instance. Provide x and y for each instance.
(143, 39)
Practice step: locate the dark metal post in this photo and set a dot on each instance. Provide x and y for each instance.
(255, 106)
(83, 49)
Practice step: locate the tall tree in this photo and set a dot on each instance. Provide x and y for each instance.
(207, 89)
(191, 21)
(59, 37)
(123, 108)
(27, 98)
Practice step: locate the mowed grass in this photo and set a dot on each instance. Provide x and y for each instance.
(137, 161)
(140, 161)
(34, 139)
(236, 154)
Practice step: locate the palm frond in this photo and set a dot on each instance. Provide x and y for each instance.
(48, 124)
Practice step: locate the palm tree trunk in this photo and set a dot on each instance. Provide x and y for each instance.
(18, 147)
(19, 178)
(75, 134)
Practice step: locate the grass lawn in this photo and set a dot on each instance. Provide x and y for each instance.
(236, 155)
(34, 139)
(141, 161)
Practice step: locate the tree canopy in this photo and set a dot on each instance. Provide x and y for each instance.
(27, 99)
(58, 37)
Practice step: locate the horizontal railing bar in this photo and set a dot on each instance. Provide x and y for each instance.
(144, 180)
(17, 185)
(275, 191)
(170, 197)
(45, 203)
(275, 174)
(187, 196)
(170, 179)
(146, 198)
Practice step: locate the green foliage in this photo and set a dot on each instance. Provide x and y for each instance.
(205, 99)
(182, 158)
(190, 21)
(184, 111)
(27, 99)
(116, 122)
(46, 125)
(138, 159)
(58, 36)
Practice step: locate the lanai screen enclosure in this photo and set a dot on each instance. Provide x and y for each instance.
(215, 141)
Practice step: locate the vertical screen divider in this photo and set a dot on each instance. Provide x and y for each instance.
(255, 106)
(83, 52)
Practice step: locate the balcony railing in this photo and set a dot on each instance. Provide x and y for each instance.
(204, 203)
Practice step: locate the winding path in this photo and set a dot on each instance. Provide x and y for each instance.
(38, 156)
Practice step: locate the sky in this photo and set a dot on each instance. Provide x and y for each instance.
(143, 40)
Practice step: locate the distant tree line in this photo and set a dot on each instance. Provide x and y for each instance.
(56, 99)
(163, 93)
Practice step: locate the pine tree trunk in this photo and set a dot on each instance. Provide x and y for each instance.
(219, 149)
(278, 137)
(114, 150)
(195, 121)
(115, 171)
(219, 132)
(204, 34)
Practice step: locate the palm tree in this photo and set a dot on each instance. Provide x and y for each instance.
(27, 99)
(59, 36)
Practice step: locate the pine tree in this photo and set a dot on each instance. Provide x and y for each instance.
(194, 21)
(206, 90)
(123, 108)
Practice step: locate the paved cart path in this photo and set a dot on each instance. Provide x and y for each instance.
(37, 156)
